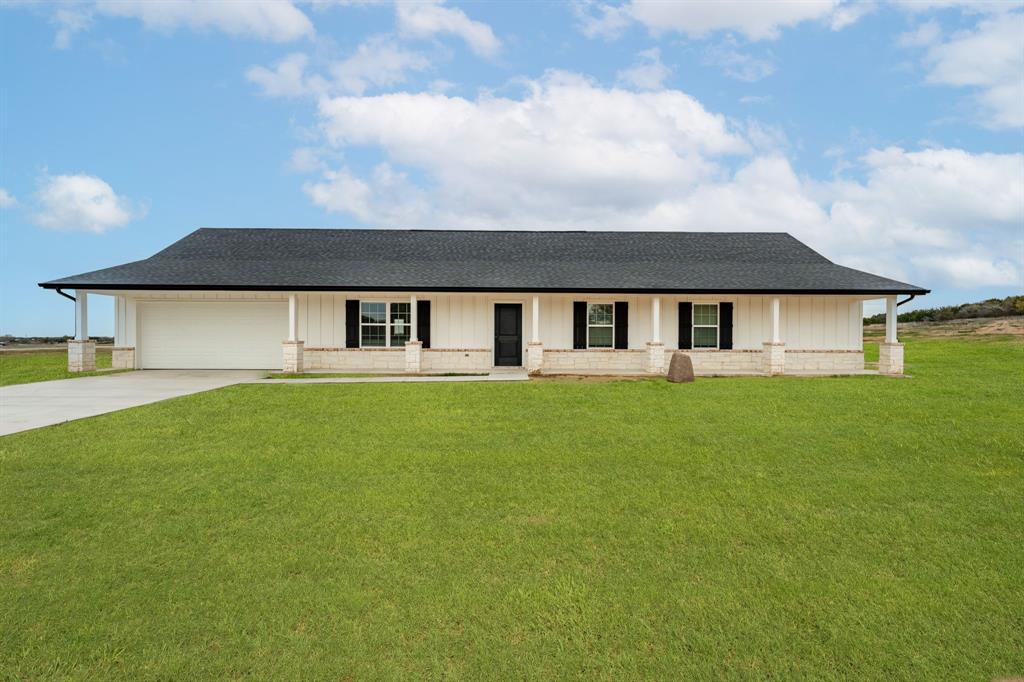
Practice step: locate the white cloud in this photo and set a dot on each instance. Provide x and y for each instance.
(69, 21)
(273, 20)
(377, 62)
(597, 20)
(441, 85)
(975, 6)
(849, 13)
(990, 58)
(571, 154)
(286, 79)
(386, 198)
(648, 73)
(430, 17)
(924, 35)
(566, 143)
(306, 160)
(971, 271)
(700, 18)
(82, 203)
(736, 64)
(7, 199)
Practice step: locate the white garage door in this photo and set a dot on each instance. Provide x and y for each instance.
(212, 334)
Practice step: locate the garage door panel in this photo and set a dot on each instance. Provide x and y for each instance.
(212, 334)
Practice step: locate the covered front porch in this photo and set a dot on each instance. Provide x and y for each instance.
(439, 332)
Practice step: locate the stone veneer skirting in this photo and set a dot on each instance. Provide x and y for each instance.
(457, 359)
(123, 358)
(394, 359)
(564, 361)
(710, 362)
(605, 360)
(824, 361)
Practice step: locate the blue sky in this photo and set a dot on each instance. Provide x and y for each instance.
(887, 135)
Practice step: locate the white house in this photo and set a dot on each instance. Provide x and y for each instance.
(441, 300)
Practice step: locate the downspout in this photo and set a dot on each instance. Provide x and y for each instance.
(70, 297)
(898, 303)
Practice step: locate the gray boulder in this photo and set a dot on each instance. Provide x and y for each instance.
(680, 369)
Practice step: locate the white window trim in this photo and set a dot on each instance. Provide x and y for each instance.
(717, 326)
(387, 323)
(612, 325)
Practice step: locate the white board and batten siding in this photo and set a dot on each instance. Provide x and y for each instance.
(466, 320)
(236, 329)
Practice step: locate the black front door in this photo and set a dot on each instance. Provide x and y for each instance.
(508, 334)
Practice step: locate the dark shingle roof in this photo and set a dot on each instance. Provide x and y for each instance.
(449, 260)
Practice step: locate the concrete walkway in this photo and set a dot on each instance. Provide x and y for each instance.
(495, 375)
(44, 403)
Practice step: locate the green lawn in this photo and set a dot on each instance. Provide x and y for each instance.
(23, 367)
(853, 528)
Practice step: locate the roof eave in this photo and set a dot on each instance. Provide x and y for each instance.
(457, 289)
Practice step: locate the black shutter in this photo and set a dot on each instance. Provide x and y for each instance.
(621, 324)
(423, 322)
(579, 325)
(725, 326)
(685, 325)
(351, 323)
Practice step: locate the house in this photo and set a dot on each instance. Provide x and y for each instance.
(445, 300)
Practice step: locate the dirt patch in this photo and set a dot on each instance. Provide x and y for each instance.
(1011, 325)
(977, 326)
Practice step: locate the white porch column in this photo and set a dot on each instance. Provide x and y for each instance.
(293, 319)
(123, 354)
(774, 350)
(81, 315)
(81, 351)
(776, 337)
(890, 319)
(413, 347)
(655, 348)
(890, 353)
(535, 349)
(535, 330)
(413, 319)
(293, 349)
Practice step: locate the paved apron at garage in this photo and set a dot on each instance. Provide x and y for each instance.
(44, 403)
(31, 406)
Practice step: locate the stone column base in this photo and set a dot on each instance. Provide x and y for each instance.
(293, 352)
(413, 356)
(123, 358)
(534, 357)
(890, 358)
(774, 358)
(81, 356)
(655, 357)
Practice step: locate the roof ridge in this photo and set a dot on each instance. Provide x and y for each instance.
(485, 231)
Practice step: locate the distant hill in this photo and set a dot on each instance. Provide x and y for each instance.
(993, 307)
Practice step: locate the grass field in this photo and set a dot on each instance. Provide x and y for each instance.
(23, 367)
(854, 528)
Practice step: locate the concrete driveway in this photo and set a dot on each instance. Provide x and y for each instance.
(30, 406)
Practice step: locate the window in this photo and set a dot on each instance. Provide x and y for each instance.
(600, 325)
(401, 324)
(384, 324)
(705, 325)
